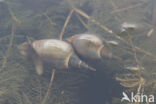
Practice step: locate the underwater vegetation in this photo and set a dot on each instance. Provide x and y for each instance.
(126, 27)
(133, 26)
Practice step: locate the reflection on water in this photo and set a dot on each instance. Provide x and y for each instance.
(44, 19)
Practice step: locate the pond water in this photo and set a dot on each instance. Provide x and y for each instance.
(127, 29)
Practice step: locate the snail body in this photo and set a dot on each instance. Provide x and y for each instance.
(90, 46)
(53, 51)
(56, 52)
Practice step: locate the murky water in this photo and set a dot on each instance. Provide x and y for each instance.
(126, 27)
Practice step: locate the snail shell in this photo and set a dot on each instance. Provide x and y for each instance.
(56, 52)
(90, 46)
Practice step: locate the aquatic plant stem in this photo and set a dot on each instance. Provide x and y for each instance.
(135, 55)
(14, 17)
(82, 22)
(49, 87)
(65, 24)
(9, 47)
(48, 18)
(127, 8)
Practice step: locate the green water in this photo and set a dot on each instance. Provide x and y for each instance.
(42, 19)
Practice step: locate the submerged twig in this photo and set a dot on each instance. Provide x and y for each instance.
(83, 23)
(127, 8)
(65, 24)
(14, 17)
(51, 22)
(49, 87)
(135, 55)
(141, 83)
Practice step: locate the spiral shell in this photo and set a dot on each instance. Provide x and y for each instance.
(90, 46)
(56, 52)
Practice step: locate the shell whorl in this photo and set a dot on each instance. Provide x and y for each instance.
(86, 45)
(75, 62)
(56, 52)
(90, 46)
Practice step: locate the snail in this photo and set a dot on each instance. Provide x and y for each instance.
(90, 46)
(56, 52)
